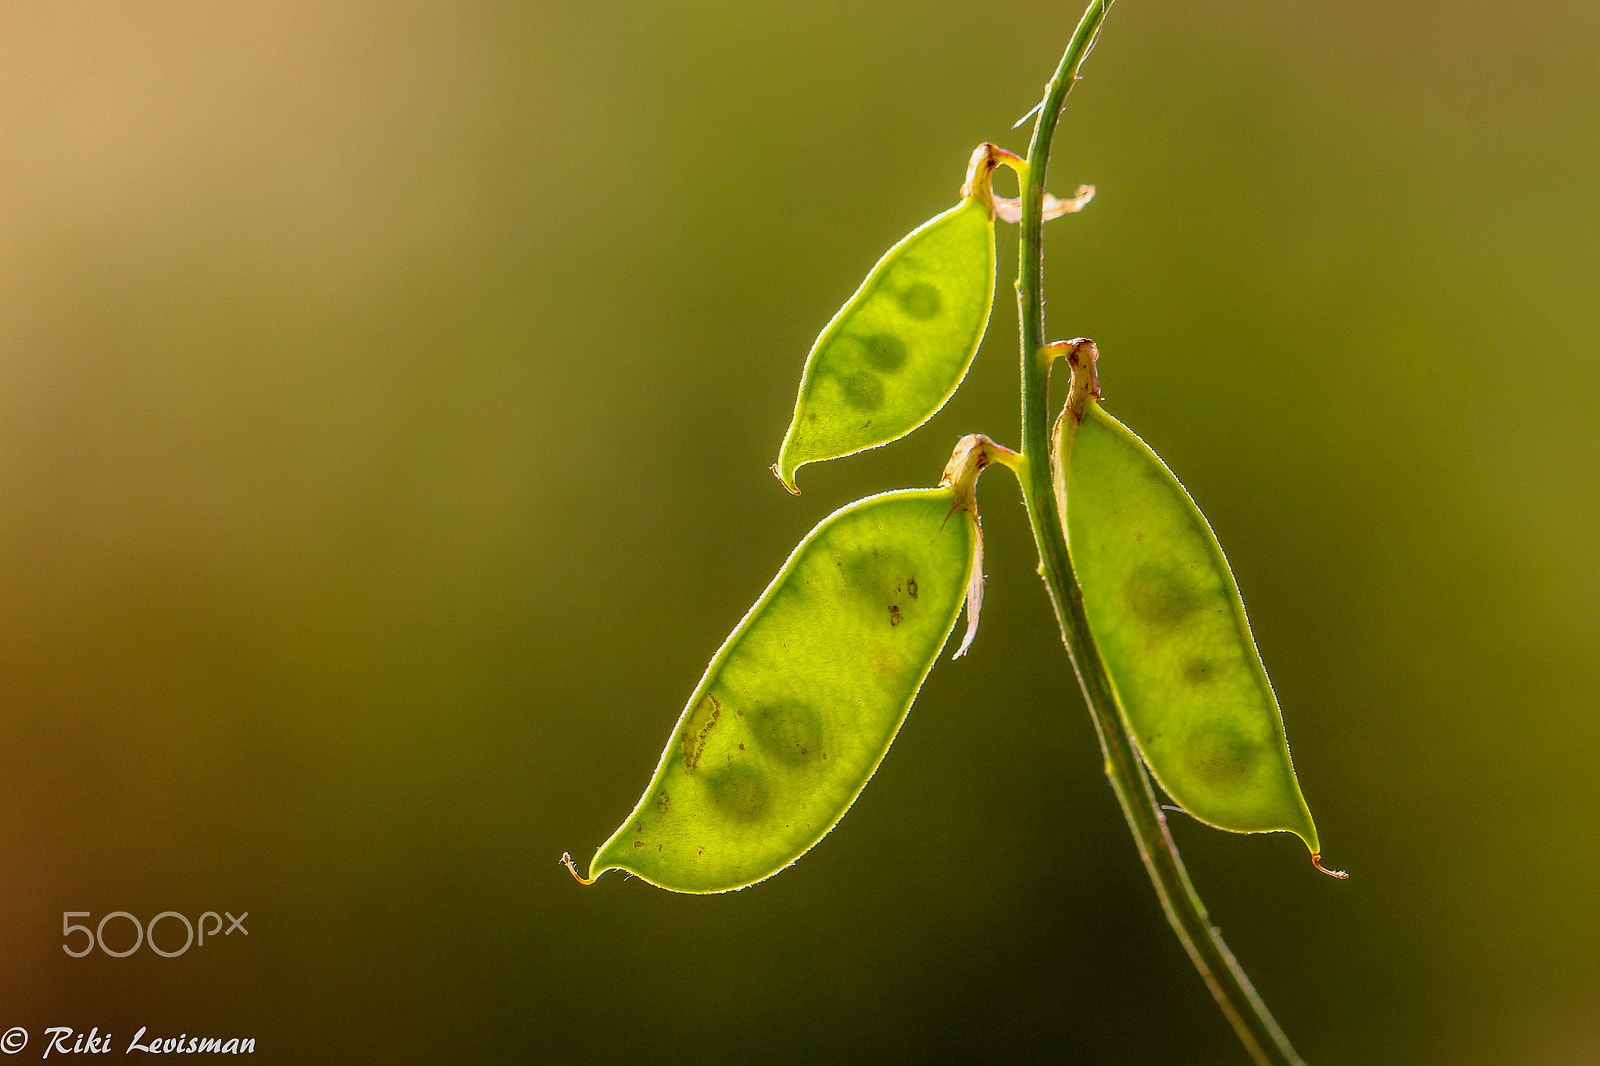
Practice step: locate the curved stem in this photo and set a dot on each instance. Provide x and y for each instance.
(1261, 1035)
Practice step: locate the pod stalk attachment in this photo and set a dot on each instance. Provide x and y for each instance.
(980, 174)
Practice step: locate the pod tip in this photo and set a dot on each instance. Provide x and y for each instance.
(572, 868)
(787, 482)
(1316, 860)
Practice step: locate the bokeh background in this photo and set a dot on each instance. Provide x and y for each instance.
(386, 394)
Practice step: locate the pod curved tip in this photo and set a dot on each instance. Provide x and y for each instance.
(980, 174)
(1316, 860)
(787, 482)
(572, 868)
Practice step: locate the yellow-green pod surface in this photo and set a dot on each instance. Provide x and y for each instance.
(802, 701)
(1172, 632)
(899, 348)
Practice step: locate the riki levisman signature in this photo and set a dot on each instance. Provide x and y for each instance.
(64, 1040)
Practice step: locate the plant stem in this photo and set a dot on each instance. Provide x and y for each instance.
(1244, 1009)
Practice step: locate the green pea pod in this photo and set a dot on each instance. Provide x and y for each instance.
(802, 701)
(1171, 629)
(902, 344)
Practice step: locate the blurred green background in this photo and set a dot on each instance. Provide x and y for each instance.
(386, 394)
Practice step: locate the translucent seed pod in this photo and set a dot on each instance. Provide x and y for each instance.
(1170, 626)
(900, 347)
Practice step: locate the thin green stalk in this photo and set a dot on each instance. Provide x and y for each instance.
(1261, 1035)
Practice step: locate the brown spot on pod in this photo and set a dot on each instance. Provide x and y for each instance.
(701, 721)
